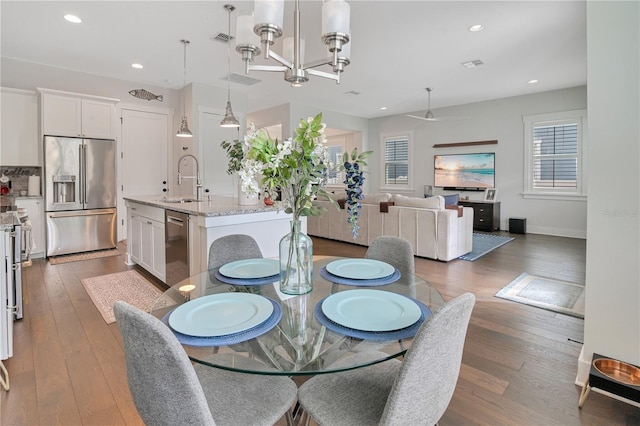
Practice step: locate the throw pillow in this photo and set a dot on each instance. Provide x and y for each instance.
(451, 200)
(436, 202)
(376, 198)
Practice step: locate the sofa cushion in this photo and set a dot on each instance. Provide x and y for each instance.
(376, 198)
(436, 202)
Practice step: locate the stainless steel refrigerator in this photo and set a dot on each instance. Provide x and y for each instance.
(80, 194)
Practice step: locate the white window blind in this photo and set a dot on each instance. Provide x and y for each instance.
(555, 165)
(555, 156)
(396, 161)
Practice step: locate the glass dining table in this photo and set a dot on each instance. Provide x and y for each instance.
(301, 340)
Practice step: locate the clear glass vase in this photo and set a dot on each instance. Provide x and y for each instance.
(296, 261)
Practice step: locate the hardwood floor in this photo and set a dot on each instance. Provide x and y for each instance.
(518, 368)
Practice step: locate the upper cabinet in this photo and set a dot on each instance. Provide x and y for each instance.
(77, 115)
(19, 143)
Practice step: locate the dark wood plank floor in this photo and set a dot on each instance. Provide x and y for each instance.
(518, 368)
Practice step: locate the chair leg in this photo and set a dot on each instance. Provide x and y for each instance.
(584, 394)
(4, 381)
(289, 418)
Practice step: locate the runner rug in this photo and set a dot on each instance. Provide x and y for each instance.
(128, 286)
(483, 244)
(546, 293)
(83, 256)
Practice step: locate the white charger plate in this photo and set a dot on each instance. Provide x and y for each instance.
(371, 310)
(250, 268)
(220, 314)
(360, 269)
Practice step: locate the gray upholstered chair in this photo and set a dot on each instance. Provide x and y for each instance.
(231, 248)
(393, 250)
(416, 391)
(168, 390)
(397, 252)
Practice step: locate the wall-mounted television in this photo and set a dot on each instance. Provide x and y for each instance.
(465, 172)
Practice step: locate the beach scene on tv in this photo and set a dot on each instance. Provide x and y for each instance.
(465, 170)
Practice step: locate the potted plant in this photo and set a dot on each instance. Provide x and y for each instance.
(235, 154)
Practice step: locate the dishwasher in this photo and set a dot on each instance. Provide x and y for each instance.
(176, 233)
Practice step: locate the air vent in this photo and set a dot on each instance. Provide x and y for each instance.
(351, 92)
(473, 64)
(223, 38)
(241, 79)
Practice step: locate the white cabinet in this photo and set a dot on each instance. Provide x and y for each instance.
(19, 142)
(145, 243)
(77, 115)
(35, 210)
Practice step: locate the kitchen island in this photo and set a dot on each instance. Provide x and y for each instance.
(209, 219)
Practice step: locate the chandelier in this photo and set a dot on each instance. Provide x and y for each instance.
(265, 25)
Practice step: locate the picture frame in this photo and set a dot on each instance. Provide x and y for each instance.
(490, 195)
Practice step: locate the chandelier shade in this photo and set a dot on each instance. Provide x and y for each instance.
(268, 21)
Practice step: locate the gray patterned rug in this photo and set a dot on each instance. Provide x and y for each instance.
(128, 286)
(546, 293)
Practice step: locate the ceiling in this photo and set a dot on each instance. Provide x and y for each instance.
(398, 49)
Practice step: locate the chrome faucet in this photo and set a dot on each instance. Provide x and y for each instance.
(196, 177)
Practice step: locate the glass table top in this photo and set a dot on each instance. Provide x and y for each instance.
(298, 344)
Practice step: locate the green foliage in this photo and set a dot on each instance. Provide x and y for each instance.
(235, 154)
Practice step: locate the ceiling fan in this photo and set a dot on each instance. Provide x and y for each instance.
(429, 115)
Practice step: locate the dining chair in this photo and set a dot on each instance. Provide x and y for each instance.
(415, 391)
(231, 248)
(168, 390)
(395, 251)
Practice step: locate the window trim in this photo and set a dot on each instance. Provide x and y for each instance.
(408, 188)
(563, 117)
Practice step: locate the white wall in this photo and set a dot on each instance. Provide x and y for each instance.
(29, 76)
(500, 120)
(612, 318)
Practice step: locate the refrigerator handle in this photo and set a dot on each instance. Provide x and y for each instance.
(84, 174)
(81, 177)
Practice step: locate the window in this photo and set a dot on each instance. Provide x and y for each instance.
(335, 154)
(554, 160)
(396, 163)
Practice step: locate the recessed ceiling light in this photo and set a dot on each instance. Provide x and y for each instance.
(476, 28)
(383, 108)
(137, 66)
(532, 81)
(73, 18)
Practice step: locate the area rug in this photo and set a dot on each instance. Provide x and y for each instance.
(546, 293)
(128, 286)
(56, 260)
(483, 244)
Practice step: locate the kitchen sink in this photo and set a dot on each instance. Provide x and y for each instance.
(179, 200)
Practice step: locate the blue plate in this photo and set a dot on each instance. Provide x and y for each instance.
(363, 283)
(360, 269)
(230, 339)
(246, 281)
(380, 336)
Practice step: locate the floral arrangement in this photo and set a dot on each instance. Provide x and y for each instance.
(354, 179)
(299, 167)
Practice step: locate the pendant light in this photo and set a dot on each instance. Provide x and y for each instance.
(184, 131)
(229, 119)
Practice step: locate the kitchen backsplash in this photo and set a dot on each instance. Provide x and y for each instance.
(19, 176)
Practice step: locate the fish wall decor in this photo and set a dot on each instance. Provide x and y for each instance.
(143, 94)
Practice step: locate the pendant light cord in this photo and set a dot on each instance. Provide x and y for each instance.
(229, 59)
(184, 84)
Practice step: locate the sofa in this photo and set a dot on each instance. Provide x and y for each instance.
(434, 230)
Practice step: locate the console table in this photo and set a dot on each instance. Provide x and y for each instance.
(486, 216)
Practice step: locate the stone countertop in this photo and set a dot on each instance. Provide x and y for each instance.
(219, 205)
